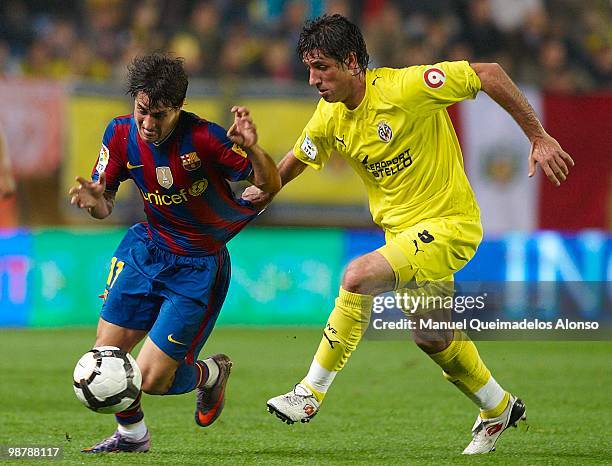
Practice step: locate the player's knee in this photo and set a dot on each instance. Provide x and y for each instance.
(429, 346)
(355, 278)
(155, 383)
(432, 342)
(361, 277)
(369, 275)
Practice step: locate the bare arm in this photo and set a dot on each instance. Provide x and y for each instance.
(289, 168)
(265, 174)
(545, 150)
(92, 195)
(243, 132)
(7, 181)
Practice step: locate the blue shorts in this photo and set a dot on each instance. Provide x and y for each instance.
(177, 299)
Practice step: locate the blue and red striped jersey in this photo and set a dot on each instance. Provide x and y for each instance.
(188, 202)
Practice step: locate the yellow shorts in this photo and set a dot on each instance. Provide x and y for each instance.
(424, 258)
(432, 250)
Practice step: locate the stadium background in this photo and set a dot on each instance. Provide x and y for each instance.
(62, 67)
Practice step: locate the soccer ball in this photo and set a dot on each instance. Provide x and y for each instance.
(107, 380)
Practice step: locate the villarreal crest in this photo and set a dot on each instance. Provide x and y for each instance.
(191, 161)
(385, 133)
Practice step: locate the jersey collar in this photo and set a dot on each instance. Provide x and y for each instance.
(364, 102)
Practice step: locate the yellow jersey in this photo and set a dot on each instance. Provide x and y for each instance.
(401, 142)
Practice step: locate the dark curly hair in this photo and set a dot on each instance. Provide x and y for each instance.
(336, 37)
(161, 77)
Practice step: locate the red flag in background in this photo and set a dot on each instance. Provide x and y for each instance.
(496, 152)
(583, 127)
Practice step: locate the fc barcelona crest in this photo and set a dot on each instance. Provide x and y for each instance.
(191, 161)
(164, 176)
(384, 131)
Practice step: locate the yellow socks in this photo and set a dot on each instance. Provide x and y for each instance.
(463, 367)
(460, 362)
(346, 324)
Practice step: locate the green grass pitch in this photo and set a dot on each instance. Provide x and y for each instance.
(390, 405)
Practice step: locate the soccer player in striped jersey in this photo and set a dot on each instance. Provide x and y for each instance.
(169, 275)
(392, 127)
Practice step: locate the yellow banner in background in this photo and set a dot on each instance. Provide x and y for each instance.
(210, 109)
(87, 120)
(279, 123)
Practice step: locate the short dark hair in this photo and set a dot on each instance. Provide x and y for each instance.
(161, 77)
(336, 37)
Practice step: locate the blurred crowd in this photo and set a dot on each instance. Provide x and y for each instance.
(560, 45)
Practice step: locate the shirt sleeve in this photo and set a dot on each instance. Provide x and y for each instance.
(228, 157)
(313, 147)
(111, 159)
(428, 88)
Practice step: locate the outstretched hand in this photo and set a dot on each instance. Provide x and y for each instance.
(243, 132)
(87, 194)
(260, 199)
(553, 160)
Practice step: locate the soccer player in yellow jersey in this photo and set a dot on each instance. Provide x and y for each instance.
(392, 127)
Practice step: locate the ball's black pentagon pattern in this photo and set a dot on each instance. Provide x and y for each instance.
(105, 404)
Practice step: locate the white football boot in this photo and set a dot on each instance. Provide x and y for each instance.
(297, 405)
(486, 431)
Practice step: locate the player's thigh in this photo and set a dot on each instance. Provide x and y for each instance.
(431, 250)
(129, 309)
(176, 333)
(184, 324)
(194, 291)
